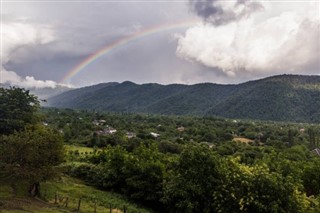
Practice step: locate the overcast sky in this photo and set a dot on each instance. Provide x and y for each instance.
(221, 42)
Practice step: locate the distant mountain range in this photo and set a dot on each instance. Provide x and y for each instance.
(278, 98)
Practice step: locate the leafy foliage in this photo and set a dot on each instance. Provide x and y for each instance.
(197, 164)
(30, 154)
(28, 151)
(17, 109)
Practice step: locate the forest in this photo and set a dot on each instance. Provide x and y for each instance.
(290, 98)
(165, 163)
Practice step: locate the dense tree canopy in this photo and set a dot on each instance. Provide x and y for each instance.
(30, 155)
(197, 164)
(29, 151)
(17, 109)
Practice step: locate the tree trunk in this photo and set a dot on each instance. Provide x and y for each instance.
(34, 189)
(14, 189)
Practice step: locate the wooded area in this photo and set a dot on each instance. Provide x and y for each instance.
(188, 164)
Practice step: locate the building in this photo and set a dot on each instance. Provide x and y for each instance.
(316, 151)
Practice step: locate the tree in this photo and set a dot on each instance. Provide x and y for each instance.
(312, 138)
(17, 109)
(311, 177)
(256, 189)
(30, 155)
(29, 152)
(144, 175)
(192, 181)
(290, 137)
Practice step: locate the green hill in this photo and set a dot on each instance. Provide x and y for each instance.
(279, 98)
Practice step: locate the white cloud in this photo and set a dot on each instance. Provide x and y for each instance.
(266, 43)
(16, 34)
(28, 82)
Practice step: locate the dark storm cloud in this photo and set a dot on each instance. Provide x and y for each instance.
(213, 11)
(81, 29)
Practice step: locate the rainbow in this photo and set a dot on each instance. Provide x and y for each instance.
(123, 41)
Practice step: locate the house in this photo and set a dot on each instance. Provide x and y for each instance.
(316, 151)
(95, 122)
(210, 145)
(99, 122)
(130, 135)
(106, 131)
(102, 121)
(109, 130)
(155, 135)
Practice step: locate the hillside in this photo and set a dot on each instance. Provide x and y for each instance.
(279, 98)
(65, 187)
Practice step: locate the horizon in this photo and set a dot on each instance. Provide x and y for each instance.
(91, 42)
(121, 82)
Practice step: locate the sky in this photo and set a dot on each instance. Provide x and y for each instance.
(79, 43)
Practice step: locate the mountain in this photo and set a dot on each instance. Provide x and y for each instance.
(278, 98)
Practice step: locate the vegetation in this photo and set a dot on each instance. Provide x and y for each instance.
(17, 109)
(279, 98)
(30, 155)
(74, 189)
(29, 152)
(168, 163)
(197, 164)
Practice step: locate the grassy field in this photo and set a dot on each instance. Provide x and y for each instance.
(81, 149)
(66, 187)
(75, 189)
(242, 140)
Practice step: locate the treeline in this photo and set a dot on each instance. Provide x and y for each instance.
(78, 128)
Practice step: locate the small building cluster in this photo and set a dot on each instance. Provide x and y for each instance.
(107, 131)
(99, 122)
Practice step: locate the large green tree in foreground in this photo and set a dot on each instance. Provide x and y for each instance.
(29, 152)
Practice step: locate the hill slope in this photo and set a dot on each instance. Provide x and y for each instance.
(279, 98)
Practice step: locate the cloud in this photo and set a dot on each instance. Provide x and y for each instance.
(16, 34)
(28, 82)
(223, 12)
(258, 45)
(81, 29)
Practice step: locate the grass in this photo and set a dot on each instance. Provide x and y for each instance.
(65, 187)
(242, 140)
(75, 189)
(22, 203)
(81, 149)
(75, 153)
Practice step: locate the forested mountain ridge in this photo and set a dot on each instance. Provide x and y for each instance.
(279, 98)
